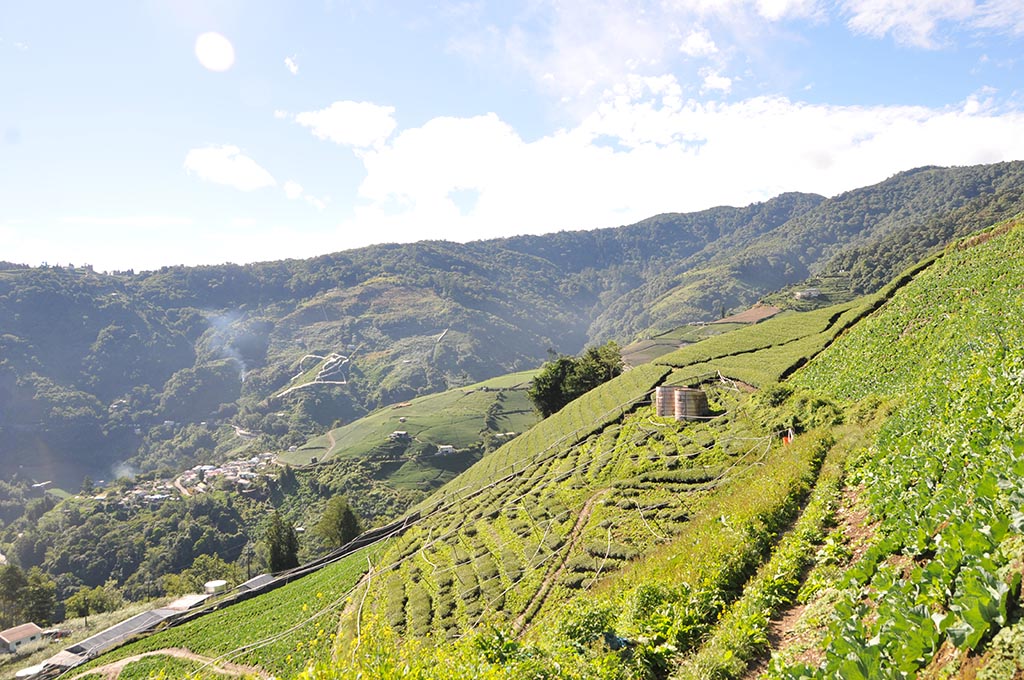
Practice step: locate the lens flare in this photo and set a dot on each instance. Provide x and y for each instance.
(215, 52)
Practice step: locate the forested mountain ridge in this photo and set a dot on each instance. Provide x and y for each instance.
(90, 362)
(865, 235)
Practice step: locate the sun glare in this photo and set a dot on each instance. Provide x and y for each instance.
(215, 52)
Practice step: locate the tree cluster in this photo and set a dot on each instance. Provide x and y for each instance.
(565, 378)
(282, 544)
(86, 601)
(339, 524)
(26, 597)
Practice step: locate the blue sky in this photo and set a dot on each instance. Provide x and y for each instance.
(155, 132)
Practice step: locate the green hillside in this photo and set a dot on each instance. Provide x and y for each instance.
(582, 497)
(866, 236)
(150, 374)
(93, 363)
(454, 418)
(609, 543)
(88, 541)
(938, 584)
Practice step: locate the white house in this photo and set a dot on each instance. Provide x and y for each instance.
(14, 639)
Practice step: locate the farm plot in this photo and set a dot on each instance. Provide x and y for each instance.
(278, 631)
(510, 552)
(454, 417)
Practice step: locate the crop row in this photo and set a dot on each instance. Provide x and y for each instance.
(779, 330)
(499, 546)
(944, 478)
(660, 606)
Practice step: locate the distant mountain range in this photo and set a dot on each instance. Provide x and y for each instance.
(92, 364)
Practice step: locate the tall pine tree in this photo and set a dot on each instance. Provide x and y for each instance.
(282, 544)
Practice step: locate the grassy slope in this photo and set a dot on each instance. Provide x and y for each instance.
(649, 349)
(943, 477)
(454, 417)
(276, 631)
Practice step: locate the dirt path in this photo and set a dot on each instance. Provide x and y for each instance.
(330, 438)
(537, 601)
(784, 631)
(113, 670)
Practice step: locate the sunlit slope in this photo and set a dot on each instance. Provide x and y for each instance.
(940, 581)
(772, 350)
(604, 525)
(548, 516)
(582, 495)
(456, 418)
(647, 350)
(553, 435)
(528, 526)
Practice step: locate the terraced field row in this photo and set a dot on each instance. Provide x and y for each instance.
(772, 350)
(509, 551)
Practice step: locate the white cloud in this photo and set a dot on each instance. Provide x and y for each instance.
(716, 81)
(646, 150)
(575, 49)
(1004, 15)
(294, 191)
(698, 44)
(775, 10)
(292, 65)
(227, 165)
(912, 22)
(358, 124)
(919, 23)
(585, 46)
(446, 154)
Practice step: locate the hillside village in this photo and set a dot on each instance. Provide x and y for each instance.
(238, 475)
